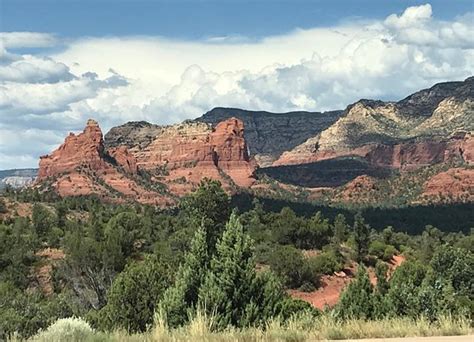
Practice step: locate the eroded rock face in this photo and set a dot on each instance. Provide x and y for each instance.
(453, 185)
(124, 159)
(191, 151)
(175, 160)
(82, 166)
(423, 129)
(267, 134)
(83, 150)
(231, 151)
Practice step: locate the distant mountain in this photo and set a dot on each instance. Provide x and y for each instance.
(270, 134)
(427, 127)
(17, 178)
(419, 149)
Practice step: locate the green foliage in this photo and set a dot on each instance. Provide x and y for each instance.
(361, 237)
(180, 300)
(456, 266)
(327, 262)
(357, 299)
(293, 268)
(381, 270)
(25, 314)
(340, 229)
(43, 220)
(133, 295)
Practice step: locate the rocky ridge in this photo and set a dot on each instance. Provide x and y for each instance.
(434, 122)
(172, 163)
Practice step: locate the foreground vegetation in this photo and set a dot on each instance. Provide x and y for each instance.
(302, 328)
(204, 271)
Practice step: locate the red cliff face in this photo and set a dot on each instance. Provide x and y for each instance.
(124, 159)
(83, 150)
(231, 151)
(189, 152)
(179, 158)
(403, 156)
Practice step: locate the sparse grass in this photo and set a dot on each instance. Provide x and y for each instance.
(303, 328)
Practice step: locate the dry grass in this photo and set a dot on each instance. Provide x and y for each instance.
(298, 329)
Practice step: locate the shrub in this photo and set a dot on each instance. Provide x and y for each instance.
(66, 329)
(293, 268)
(377, 248)
(325, 263)
(134, 293)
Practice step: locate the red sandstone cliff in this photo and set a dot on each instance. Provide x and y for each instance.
(178, 159)
(83, 150)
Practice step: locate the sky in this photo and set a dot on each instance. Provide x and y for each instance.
(64, 61)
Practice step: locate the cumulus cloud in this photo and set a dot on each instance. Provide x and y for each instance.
(165, 81)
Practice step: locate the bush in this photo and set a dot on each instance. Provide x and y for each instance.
(377, 248)
(293, 268)
(325, 263)
(389, 252)
(66, 329)
(134, 293)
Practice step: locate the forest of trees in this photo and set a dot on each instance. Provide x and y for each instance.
(125, 265)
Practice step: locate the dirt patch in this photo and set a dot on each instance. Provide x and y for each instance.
(327, 295)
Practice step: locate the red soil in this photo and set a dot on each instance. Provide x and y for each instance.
(332, 285)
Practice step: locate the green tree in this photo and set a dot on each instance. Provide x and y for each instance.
(357, 300)
(208, 207)
(315, 233)
(43, 220)
(133, 295)
(456, 266)
(361, 237)
(340, 229)
(232, 291)
(402, 297)
(381, 269)
(293, 269)
(179, 301)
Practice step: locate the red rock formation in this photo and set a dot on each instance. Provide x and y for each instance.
(192, 151)
(124, 159)
(83, 150)
(455, 184)
(231, 151)
(404, 156)
(188, 153)
(81, 166)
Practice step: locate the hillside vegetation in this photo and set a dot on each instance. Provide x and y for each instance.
(203, 270)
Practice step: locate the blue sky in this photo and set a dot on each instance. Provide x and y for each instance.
(198, 19)
(64, 61)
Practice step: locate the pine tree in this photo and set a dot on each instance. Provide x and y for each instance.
(357, 300)
(340, 229)
(381, 274)
(180, 300)
(231, 280)
(361, 237)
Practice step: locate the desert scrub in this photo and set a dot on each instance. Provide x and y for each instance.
(298, 328)
(66, 329)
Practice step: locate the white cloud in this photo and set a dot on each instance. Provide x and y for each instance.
(151, 78)
(12, 40)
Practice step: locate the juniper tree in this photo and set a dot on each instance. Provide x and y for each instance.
(134, 294)
(357, 300)
(232, 289)
(361, 237)
(340, 229)
(181, 299)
